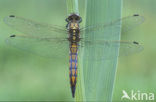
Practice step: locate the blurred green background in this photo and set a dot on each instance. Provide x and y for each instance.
(138, 72)
(24, 76)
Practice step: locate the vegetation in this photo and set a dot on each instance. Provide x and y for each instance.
(25, 76)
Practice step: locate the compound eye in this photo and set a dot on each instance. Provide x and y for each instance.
(70, 19)
(66, 20)
(77, 18)
(67, 26)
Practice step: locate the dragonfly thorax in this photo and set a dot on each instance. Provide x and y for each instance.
(73, 28)
(74, 25)
(74, 38)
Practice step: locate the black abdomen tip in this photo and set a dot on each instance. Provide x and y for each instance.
(12, 35)
(73, 90)
(136, 15)
(11, 16)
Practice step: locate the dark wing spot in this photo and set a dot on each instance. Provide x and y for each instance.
(134, 42)
(136, 15)
(11, 16)
(12, 35)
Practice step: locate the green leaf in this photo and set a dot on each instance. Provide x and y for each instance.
(72, 6)
(99, 75)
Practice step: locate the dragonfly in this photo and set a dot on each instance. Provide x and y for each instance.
(65, 42)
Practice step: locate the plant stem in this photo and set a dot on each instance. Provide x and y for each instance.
(72, 6)
(99, 75)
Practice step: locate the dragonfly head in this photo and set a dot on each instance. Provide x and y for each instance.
(73, 21)
(74, 18)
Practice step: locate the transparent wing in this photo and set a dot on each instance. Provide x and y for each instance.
(49, 47)
(59, 48)
(128, 23)
(101, 50)
(32, 28)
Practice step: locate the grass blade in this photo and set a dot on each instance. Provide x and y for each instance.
(99, 75)
(72, 6)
